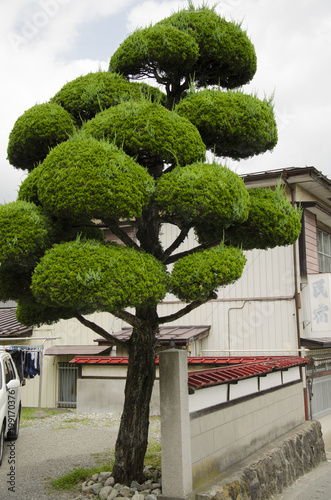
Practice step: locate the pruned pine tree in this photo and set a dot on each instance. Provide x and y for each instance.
(107, 149)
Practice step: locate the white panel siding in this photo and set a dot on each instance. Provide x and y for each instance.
(254, 315)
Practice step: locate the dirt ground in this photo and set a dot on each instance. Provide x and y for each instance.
(50, 447)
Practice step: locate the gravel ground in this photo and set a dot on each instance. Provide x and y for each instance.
(50, 447)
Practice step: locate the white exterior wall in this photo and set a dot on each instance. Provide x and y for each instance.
(70, 332)
(222, 438)
(255, 315)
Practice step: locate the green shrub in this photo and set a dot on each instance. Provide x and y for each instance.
(198, 275)
(38, 130)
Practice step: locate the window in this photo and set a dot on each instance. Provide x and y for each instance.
(9, 372)
(324, 251)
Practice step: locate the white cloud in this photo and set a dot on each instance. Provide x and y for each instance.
(35, 38)
(292, 41)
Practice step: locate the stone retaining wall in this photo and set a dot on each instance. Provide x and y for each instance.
(271, 469)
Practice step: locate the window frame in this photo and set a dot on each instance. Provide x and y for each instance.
(323, 253)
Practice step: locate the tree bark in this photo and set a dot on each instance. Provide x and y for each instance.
(132, 438)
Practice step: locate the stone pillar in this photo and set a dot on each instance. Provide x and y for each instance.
(175, 425)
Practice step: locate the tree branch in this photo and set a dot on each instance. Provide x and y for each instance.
(190, 307)
(129, 318)
(99, 330)
(180, 255)
(175, 244)
(125, 238)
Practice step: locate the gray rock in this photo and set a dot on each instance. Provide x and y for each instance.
(156, 492)
(103, 476)
(96, 488)
(126, 492)
(134, 484)
(110, 481)
(113, 494)
(105, 492)
(138, 496)
(95, 477)
(150, 497)
(87, 489)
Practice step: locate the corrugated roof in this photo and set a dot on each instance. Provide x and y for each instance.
(59, 350)
(179, 335)
(10, 327)
(317, 343)
(216, 376)
(230, 369)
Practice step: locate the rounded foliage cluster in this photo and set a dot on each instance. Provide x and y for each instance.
(29, 312)
(38, 130)
(232, 124)
(90, 275)
(200, 192)
(226, 55)
(24, 232)
(87, 95)
(149, 132)
(196, 44)
(198, 275)
(164, 49)
(91, 178)
(272, 221)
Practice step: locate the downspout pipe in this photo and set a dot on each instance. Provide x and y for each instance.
(295, 261)
(307, 402)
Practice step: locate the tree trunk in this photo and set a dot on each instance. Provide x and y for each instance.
(132, 438)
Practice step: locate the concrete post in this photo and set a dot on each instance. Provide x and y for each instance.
(175, 425)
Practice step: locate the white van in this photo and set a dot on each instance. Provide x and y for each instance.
(10, 400)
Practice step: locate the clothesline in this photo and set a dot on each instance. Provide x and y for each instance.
(44, 339)
(26, 348)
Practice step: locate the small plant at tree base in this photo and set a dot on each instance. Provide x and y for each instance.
(139, 156)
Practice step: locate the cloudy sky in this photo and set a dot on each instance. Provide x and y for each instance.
(45, 43)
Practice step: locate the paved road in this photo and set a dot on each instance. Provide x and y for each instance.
(316, 485)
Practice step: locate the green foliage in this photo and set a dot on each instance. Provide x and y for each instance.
(232, 124)
(38, 130)
(24, 233)
(30, 312)
(226, 55)
(94, 276)
(15, 281)
(79, 227)
(200, 274)
(150, 133)
(87, 95)
(200, 192)
(28, 190)
(192, 44)
(75, 477)
(162, 50)
(272, 222)
(86, 177)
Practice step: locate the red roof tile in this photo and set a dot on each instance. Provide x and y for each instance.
(216, 376)
(230, 369)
